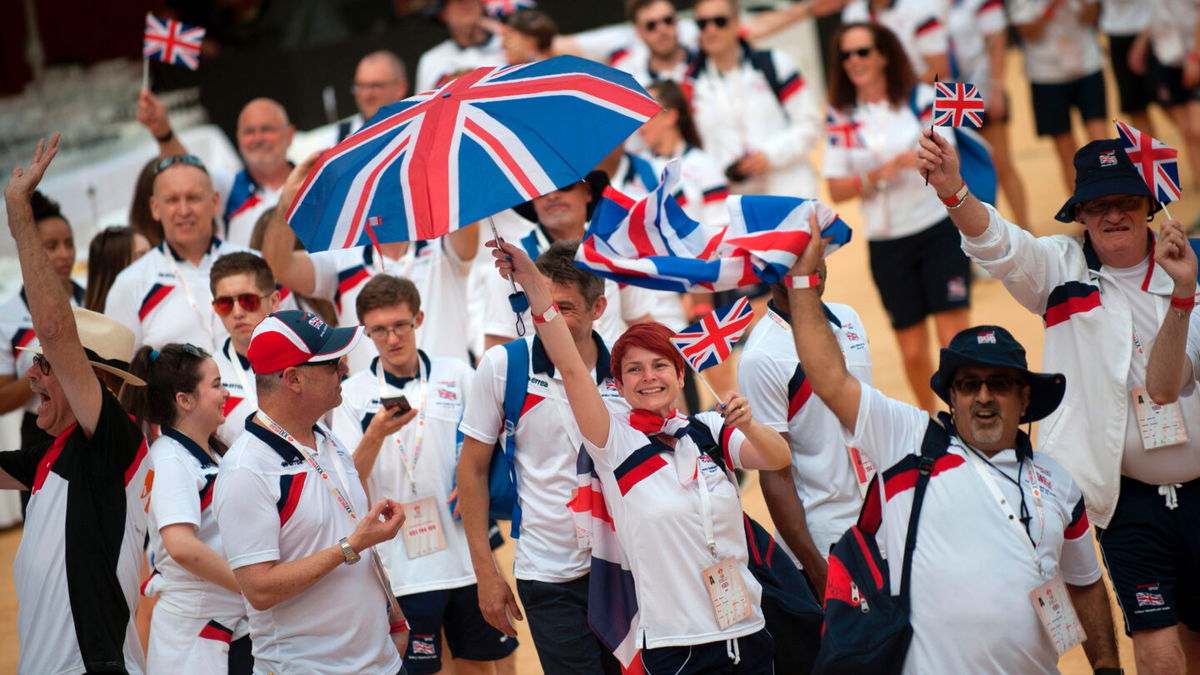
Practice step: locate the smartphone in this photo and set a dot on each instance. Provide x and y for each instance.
(399, 403)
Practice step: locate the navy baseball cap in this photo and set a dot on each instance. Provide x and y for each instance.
(292, 337)
(994, 346)
(1102, 169)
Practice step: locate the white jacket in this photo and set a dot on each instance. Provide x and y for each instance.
(1088, 329)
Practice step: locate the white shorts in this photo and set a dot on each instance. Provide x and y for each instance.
(183, 644)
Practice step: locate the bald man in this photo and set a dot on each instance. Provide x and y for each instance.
(379, 80)
(264, 135)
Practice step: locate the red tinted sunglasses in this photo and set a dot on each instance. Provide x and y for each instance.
(250, 302)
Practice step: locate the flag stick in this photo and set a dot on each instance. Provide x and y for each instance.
(146, 74)
(935, 81)
(701, 378)
(1167, 212)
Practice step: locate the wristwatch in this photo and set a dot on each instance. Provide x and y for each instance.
(352, 556)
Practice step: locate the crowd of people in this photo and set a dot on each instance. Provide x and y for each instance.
(225, 476)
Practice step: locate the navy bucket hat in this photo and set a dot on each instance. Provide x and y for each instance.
(1102, 169)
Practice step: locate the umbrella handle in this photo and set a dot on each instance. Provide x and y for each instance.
(519, 304)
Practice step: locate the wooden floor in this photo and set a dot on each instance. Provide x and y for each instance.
(849, 283)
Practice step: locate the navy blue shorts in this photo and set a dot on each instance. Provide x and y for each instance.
(557, 616)
(1152, 554)
(1052, 103)
(456, 611)
(753, 655)
(1135, 92)
(921, 274)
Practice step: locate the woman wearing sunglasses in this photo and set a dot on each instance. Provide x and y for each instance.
(874, 124)
(199, 609)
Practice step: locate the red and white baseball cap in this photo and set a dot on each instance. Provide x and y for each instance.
(293, 337)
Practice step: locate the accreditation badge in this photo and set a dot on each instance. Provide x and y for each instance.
(1160, 425)
(727, 591)
(1058, 616)
(423, 532)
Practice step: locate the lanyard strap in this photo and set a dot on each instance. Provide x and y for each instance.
(705, 507)
(341, 497)
(232, 355)
(1014, 523)
(205, 319)
(409, 460)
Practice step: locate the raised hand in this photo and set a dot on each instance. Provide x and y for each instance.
(938, 160)
(810, 257)
(24, 181)
(152, 114)
(295, 179)
(737, 411)
(1177, 258)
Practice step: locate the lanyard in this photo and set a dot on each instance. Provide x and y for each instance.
(236, 362)
(710, 537)
(205, 320)
(409, 460)
(341, 497)
(405, 261)
(1013, 522)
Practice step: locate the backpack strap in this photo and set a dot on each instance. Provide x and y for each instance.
(933, 446)
(516, 383)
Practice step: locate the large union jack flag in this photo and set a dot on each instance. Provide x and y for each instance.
(957, 104)
(491, 139)
(1156, 161)
(172, 42)
(710, 340)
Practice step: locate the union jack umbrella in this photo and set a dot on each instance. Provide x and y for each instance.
(489, 140)
(502, 8)
(710, 340)
(957, 104)
(172, 42)
(1157, 162)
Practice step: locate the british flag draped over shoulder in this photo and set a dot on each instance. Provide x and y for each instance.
(653, 244)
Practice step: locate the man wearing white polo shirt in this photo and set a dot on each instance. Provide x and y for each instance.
(815, 500)
(470, 45)
(164, 296)
(1001, 527)
(294, 517)
(551, 564)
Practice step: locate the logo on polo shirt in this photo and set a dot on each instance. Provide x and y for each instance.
(1108, 158)
(986, 338)
(610, 389)
(539, 381)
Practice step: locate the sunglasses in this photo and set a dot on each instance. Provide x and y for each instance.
(997, 384)
(1099, 207)
(190, 160)
(668, 21)
(861, 52)
(223, 304)
(42, 364)
(718, 21)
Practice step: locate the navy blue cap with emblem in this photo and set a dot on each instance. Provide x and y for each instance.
(1102, 169)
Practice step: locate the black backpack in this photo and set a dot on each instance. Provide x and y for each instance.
(867, 629)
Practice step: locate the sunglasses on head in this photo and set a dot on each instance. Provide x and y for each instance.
(861, 52)
(190, 160)
(223, 304)
(718, 21)
(997, 384)
(668, 20)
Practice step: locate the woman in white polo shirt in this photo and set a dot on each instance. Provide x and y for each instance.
(877, 113)
(200, 609)
(677, 515)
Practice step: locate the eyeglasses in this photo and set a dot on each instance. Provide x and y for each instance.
(223, 304)
(190, 160)
(332, 364)
(861, 52)
(997, 384)
(373, 86)
(399, 329)
(42, 364)
(668, 20)
(718, 21)
(1100, 207)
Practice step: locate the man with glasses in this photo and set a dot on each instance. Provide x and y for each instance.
(470, 45)
(752, 108)
(663, 57)
(379, 80)
(1000, 527)
(164, 296)
(244, 293)
(1117, 306)
(76, 570)
(401, 416)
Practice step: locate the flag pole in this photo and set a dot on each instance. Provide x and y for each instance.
(935, 81)
(700, 377)
(145, 74)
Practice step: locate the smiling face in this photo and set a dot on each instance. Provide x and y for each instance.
(649, 380)
(863, 63)
(1117, 228)
(714, 38)
(264, 135)
(987, 403)
(564, 212)
(204, 407)
(656, 27)
(185, 202)
(59, 244)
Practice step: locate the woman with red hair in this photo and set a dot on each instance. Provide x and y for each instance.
(677, 514)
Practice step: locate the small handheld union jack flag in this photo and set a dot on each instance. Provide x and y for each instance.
(172, 42)
(1157, 162)
(843, 132)
(957, 104)
(710, 340)
(501, 8)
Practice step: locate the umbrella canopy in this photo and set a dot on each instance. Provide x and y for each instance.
(487, 141)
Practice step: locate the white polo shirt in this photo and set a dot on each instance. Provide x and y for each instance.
(920, 26)
(243, 201)
(439, 274)
(970, 23)
(238, 377)
(446, 382)
(1067, 49)
(183, 492)
(164, 298)
(971, 575)
(770, 377)
(16, 330)
(548, 442)
(658, 522)
(635, 60)
(448, 58)
(271, 505)
(905, 206)
(625, 304)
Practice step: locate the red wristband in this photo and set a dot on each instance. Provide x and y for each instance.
(547, 316)
(398, 627)
(1183, 303)
(955, 200)
(803, 281)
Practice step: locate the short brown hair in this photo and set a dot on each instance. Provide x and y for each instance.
(536, 24)
(898, 73)
(242, 262)
(385, 290)
(558, 264)
(632, 7)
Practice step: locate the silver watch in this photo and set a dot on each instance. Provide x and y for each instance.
(352, 556)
